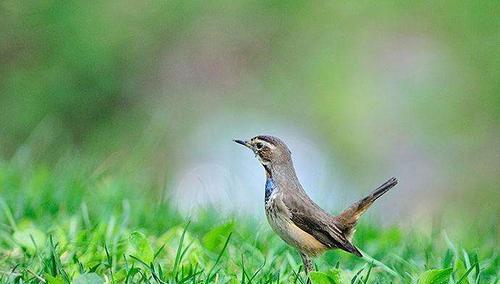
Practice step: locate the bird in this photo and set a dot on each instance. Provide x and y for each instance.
(294, 216)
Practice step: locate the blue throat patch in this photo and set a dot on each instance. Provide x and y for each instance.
(269, 188)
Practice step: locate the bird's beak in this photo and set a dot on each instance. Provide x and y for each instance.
(244, 143)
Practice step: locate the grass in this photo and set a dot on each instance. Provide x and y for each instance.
(67, 224)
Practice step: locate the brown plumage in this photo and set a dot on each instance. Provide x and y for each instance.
(297, 219)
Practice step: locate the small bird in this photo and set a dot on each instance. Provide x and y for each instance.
(298, 220)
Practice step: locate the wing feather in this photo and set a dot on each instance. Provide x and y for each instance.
(309, 217)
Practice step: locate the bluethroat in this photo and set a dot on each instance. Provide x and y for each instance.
(298, 220)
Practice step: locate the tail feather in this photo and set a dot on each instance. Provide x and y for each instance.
(382, 189)
(349, 217)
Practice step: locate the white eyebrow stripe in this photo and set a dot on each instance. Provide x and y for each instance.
(271, 146)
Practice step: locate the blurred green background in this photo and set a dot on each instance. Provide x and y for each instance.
(156, 90)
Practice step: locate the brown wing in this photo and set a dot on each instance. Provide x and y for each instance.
(309, 217)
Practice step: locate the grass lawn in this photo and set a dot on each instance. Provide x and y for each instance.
(70, 224)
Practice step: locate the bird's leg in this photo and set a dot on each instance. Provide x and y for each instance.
(308, 265)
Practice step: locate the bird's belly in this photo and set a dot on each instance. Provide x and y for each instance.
(292, 234)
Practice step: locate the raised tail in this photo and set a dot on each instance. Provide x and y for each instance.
(348, 219)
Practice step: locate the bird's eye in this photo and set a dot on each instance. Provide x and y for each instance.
(259, 145)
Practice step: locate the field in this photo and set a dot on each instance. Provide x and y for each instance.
(72, 224)
(116, 114)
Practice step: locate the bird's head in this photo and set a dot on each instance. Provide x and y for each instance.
(269, 149)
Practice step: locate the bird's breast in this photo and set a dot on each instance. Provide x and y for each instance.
(270, 186)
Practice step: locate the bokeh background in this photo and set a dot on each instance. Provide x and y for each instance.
(156, 90)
